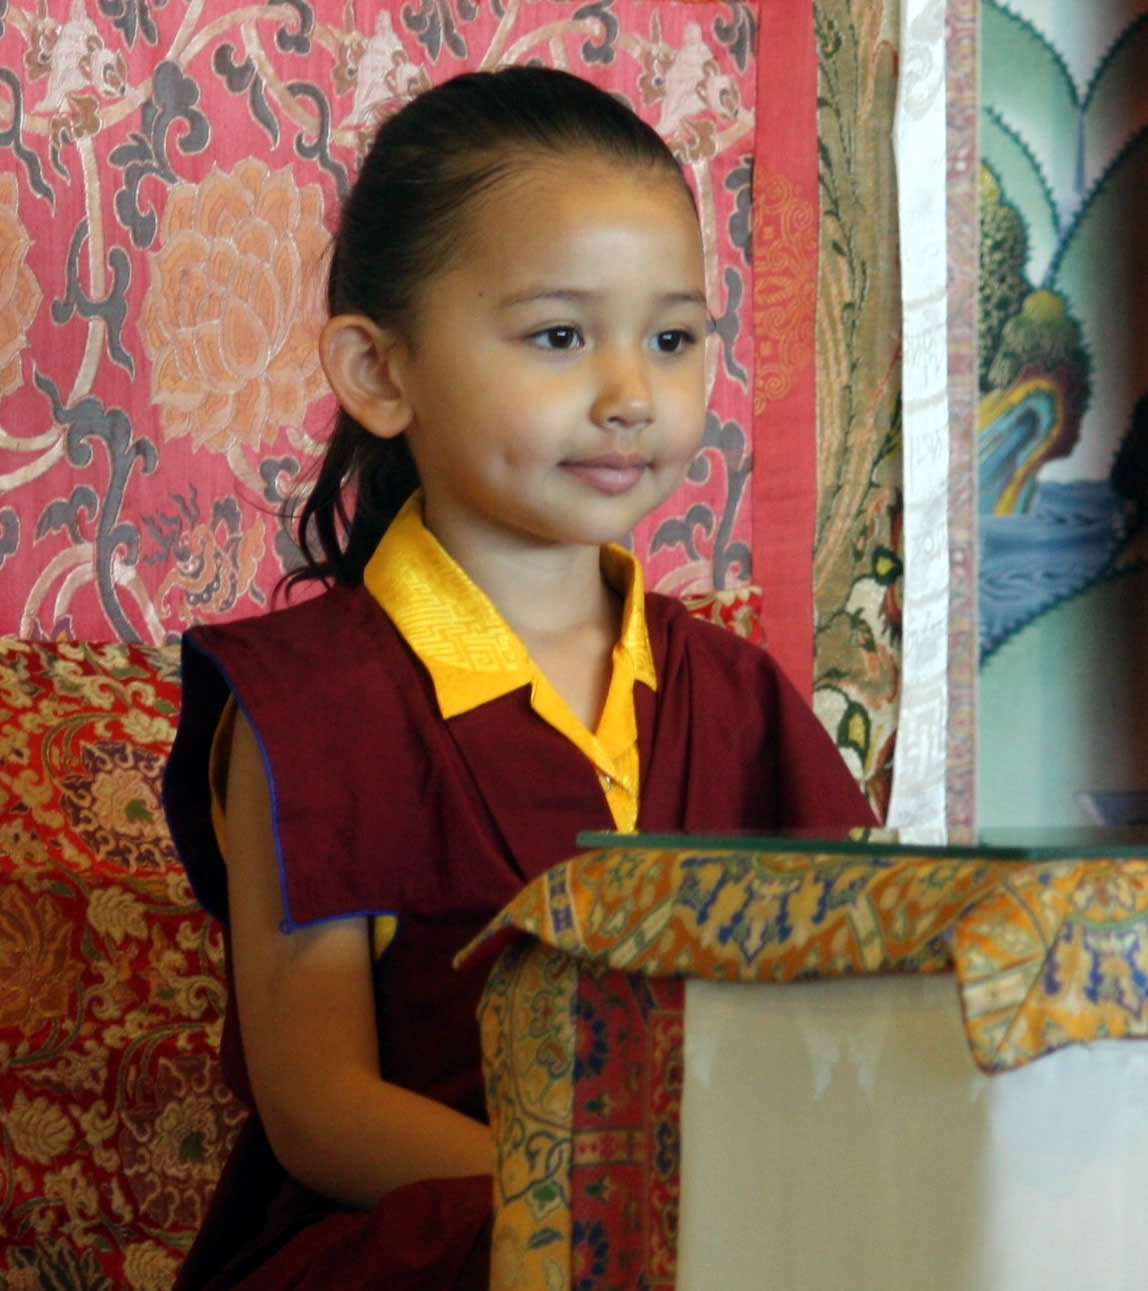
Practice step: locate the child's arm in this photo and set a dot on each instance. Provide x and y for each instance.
(307, 1017)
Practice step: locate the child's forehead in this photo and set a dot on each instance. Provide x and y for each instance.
(612, 235)
(557, 193)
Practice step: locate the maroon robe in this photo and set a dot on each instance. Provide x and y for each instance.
(382, 807)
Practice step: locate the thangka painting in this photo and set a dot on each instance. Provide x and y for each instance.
(1062, 444)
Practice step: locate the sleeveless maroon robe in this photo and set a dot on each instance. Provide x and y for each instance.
(382, 807)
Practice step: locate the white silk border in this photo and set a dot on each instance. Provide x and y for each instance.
(917, 807)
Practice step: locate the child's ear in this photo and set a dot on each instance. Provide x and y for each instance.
(364, 364)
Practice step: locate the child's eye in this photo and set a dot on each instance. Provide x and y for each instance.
(558, 338)
(673, 341)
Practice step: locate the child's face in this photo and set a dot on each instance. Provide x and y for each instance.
(556, 369)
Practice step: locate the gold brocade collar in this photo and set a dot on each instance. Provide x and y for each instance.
(473, 656)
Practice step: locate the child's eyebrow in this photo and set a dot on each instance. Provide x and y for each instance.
(579, 296)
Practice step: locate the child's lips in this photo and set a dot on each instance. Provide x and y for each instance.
(612, 473)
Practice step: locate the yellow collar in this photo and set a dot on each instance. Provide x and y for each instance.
(474, 656)
(470, 651)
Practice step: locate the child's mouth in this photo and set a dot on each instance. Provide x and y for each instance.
(612, 473)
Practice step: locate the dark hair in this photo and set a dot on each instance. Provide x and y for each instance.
(400, 224)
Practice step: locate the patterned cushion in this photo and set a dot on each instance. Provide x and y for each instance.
(115, 1122)
(737, 608)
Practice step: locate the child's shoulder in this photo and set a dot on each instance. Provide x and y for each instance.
(338, 641)
(334, 622)
(675, 627)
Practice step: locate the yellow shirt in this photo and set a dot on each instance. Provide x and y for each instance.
(474, 656)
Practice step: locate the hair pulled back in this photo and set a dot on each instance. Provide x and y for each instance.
(400, 224)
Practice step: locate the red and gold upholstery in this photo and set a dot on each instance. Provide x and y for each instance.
(115, 1120)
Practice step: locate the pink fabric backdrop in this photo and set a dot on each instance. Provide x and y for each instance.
(168, 178)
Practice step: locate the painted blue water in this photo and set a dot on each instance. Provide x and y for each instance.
(1030, 562)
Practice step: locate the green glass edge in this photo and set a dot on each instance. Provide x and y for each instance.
(1085, 845)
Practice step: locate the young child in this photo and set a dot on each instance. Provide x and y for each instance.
(361, 781)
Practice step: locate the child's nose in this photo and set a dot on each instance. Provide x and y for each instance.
(624, 400)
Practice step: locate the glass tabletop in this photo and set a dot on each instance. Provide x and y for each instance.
(1001, 844)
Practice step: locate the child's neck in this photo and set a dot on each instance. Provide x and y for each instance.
(578, 660)
(567, 616)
